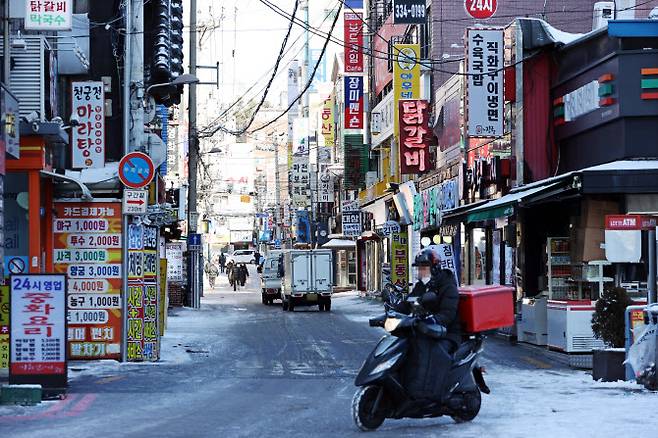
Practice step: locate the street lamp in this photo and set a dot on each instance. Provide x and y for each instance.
(184, 79)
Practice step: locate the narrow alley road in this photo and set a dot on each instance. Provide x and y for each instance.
(237, 368)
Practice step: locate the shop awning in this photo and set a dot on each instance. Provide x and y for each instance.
(340, 244)
(504, 206)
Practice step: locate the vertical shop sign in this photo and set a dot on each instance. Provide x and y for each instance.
(485, 82)
(48, 14)
(4, 327)
(353, 42)
(351, 218)
(415, 136)
(135, 299)
(353, 102)
(356, 162)
(406, 72)
(162, 299)
(88, 137)
(328, 122)
(300, 178)
(151, 334)
(400, 259)
(174, 261)
(87, 248)
(38, 329)
(325, 187)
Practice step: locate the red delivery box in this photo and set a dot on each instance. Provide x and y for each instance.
(483, 308)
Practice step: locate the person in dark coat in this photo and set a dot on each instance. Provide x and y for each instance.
(243, 273)
(222, 261)
(442, 282)
(429, 360)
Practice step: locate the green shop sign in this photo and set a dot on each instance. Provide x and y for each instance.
(429, 204)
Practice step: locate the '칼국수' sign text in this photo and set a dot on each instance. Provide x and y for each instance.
(485, 82)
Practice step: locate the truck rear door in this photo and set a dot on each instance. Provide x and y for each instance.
(322, 271)
(301, 278)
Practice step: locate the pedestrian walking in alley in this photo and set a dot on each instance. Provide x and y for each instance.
(212, 272)
(232, 275)
(242, 273)
(257, 257)
(222, 262)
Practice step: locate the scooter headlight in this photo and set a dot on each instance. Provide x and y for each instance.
(391, 324)
(386, 364)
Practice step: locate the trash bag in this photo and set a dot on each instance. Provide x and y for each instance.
(642, 356)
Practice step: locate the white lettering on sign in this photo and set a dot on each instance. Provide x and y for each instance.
(485, 82)
(581, 101)
(38, 335)
(87, 316)
(88, 137)
(93, 240)
(94, 301)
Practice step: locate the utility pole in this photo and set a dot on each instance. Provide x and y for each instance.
(277, 194)
(136, 121)
(126, 149)
(192, 216)
(306, 112)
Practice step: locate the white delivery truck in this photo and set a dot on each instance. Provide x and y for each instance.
(308, 278)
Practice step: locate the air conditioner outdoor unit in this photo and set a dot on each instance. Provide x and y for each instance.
(603, 11)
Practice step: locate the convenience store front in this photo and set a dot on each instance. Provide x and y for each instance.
(563, 265)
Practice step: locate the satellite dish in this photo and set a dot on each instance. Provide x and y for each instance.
(653, 15)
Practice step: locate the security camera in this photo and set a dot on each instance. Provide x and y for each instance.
(33, 117)
(35, 127)
(73, 121)
(57, 120)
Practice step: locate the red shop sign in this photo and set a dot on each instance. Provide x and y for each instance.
(629, 222)
(353, 42)
(414, 136)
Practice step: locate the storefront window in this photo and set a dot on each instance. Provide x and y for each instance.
(495, 257)
(479, 257)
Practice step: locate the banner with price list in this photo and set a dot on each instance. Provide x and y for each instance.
(88, 250)
(142, 337)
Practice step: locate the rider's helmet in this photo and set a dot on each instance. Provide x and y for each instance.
(428, 257)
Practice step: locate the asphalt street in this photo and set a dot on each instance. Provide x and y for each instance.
(238, 368)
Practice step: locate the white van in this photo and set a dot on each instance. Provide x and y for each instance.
(270, 277)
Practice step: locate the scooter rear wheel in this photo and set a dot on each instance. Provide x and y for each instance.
(362, 404)
(471, 408)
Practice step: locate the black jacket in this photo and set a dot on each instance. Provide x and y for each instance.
(445, 312)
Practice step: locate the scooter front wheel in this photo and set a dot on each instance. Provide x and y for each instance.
(363, 403)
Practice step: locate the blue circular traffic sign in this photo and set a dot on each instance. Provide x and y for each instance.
(136, 170)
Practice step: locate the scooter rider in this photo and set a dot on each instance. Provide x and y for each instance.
(432, 278)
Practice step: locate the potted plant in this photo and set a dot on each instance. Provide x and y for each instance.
(608, 324)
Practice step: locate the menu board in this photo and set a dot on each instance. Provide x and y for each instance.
(88, 249)
(38, 329)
